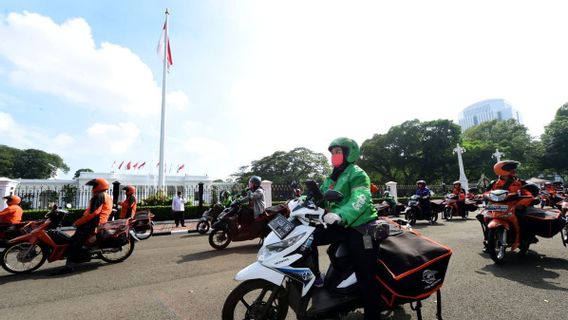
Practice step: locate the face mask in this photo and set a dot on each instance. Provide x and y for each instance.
(336, 160)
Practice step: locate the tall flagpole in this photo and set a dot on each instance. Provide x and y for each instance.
(161, 177)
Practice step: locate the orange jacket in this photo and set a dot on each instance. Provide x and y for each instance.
(128, 207)
(460, 192)
(514, 186)
(12, 214)
(99, 205)
(551, 190)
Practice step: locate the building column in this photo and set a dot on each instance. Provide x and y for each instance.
(7, 187)
(267, 187)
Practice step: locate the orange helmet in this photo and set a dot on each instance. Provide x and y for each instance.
(98, 184)
(10, 200)
(506, 167)
(130, 190)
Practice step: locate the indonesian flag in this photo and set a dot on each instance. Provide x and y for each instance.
(160, 48)
(141, 165)
(120, 165)
(180, 168)
(135, 165)
(128, 166)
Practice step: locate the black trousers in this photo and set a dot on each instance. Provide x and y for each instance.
(178, 218)
(75, 252)
(364, 263)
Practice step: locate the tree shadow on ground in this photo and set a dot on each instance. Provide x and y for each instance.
(203, 255)
(45, 273)
(531, 269)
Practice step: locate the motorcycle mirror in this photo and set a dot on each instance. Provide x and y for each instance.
(313, 190)
(333, 196)
(68, 206)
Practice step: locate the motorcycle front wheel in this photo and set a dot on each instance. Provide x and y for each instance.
(23, 257)
(219, 238)
(116, 255)
(496, 244)
(255, 299)
(202, 227)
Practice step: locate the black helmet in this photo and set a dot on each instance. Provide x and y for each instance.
(255, 181)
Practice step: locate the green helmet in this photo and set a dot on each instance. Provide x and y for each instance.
(349, 146)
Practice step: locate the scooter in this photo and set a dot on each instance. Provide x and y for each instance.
(413, 211)
(503, 226)
(451, 208)
(282, 278)
(231, 225)
(208, 217)
(113, 243)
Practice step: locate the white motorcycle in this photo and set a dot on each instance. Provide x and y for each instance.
(282, 278)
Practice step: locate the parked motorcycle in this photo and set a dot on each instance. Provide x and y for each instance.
(113, 243)
(142, 224)
(548, 200)
(413, 211)
(384, 209)
(506, 225)
(282, 278)
(208, 217)
(231, 225)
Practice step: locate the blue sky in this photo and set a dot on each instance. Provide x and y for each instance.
(82, 78)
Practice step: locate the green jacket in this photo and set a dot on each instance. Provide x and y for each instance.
(356, 208)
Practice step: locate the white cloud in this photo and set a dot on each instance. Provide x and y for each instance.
(6, 123)
(63, 141)
(64, 60)
(112, 138)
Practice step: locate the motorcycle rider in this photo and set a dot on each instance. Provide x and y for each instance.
(460, 192)
(226, 198)
(508, 180)
(349, 219)
(552, 193)
(424, 193)
(128, 206)
(391, 202)
(250, 216)
(96, 214)
(13, 213)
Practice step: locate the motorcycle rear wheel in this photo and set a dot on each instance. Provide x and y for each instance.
(23, 257)
(249, 298)
(495, 246)
(219, 238)
(202, 227)
(143, 235)
(116, 255)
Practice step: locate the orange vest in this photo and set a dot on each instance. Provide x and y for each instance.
(103, 211)
(125, 206)
(514, 187)
(12, 214)
(460, 192)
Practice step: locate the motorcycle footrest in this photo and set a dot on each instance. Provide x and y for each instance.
(324, 301)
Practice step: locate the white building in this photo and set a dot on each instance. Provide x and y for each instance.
(487, 110)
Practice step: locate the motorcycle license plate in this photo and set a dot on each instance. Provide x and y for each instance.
(281, 226)
(497, 207)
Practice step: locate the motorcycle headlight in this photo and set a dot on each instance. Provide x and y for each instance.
(268, 250)
(498, 195)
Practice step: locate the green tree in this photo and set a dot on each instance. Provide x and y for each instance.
(554, 142)
(509, 137)
(283, 167)
(7, 157)
(412, 150)
(78, 172)
(37, 164)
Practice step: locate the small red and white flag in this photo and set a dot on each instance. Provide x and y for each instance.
(166, 42)
(141, 165)
(120, 165)
(180, 168)
(135, 165)
(128, 166)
